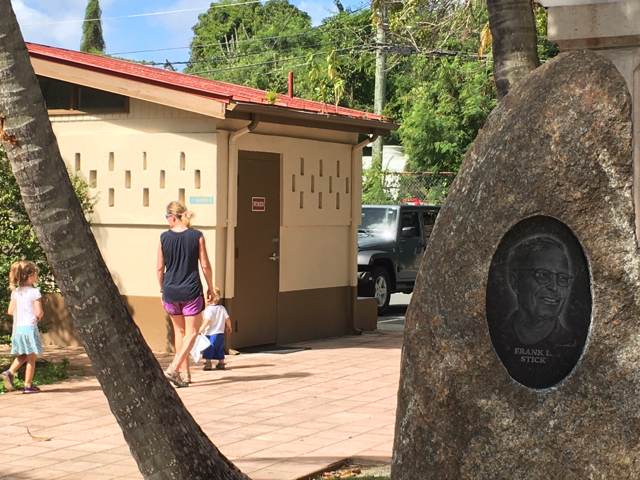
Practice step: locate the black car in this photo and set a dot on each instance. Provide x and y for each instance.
(391, 242)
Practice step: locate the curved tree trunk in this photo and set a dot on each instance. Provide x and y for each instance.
(163, 437)
(515, 45)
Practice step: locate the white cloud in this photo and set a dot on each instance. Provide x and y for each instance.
(40, 23)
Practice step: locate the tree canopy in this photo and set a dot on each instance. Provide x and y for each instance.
(92, 39)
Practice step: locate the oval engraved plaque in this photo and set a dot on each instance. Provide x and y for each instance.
(539, 301)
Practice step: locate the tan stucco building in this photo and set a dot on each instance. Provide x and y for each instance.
(275, 184)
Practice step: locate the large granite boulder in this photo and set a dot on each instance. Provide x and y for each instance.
(484, 394)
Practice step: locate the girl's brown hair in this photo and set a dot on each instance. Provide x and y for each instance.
(20, 272)
(179, 210)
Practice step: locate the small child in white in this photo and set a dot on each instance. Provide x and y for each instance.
(215, 324)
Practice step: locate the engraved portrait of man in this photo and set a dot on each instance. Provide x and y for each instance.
(539, 301)
(540, 277)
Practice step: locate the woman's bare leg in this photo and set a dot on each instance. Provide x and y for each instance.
(30, 368)
(192, 326)
(178, 336)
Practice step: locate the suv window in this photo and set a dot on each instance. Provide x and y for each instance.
(429, 220)
(411, 219)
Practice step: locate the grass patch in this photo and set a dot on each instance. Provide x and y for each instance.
(45, 373)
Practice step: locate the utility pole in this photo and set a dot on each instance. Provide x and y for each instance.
(381, 77)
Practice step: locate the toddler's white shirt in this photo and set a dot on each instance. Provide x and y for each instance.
(217, 315)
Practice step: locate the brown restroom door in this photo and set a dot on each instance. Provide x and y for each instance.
(257, 264)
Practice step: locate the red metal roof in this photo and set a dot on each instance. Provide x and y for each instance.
(225, 92)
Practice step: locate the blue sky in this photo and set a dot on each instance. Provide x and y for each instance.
(58, 23)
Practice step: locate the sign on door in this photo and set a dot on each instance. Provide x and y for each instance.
(258, 204)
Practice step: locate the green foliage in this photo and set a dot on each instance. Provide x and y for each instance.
(257, 45)
(17, 237)
(45, 373)
(256, 37)
(546, 49)
(374, 188)
(92, 39)
(445, 113)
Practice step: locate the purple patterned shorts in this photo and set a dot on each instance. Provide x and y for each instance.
(189, 309)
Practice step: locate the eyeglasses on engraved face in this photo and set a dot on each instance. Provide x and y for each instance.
(543, 276)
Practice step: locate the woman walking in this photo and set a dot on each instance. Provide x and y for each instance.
(181, 249)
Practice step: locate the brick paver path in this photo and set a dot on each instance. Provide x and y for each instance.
(276, 416)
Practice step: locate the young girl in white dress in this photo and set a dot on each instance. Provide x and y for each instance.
(26, 309)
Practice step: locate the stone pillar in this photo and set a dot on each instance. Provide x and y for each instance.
(613, 30)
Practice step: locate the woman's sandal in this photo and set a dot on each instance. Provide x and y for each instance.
(174, 377)
(186, 377)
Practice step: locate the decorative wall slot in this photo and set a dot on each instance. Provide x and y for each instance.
(330, 184)
(127, 179)
(93, 178)
(144, 160)
(112, 197)
(321, 168)
(347, 185)
(313, 184)
(301, 199)
(163, 176)
(145, 197)
(181, 195)
(197, 179)
(320, 200)
(293, 182)
(183, 161)
(77, 165)
(112, 161)
(337, 200)
(301, 166)
(338, 169)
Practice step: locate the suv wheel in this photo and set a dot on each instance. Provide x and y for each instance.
(381, 288)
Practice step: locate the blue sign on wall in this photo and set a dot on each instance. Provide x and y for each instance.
(201, 200)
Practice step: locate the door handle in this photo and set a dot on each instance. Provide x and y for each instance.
(274, 257)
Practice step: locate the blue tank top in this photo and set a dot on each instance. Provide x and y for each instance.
(181, 276)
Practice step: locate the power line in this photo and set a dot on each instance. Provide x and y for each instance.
(143, 14)
(282, 60)
(308, 32)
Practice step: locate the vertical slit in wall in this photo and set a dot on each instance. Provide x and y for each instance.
(337, 200)
(162, 178)
(330, 184)
(77, 165)
(347, 185)
(183, 161)
(320, 169)
(112, 161)
(293, 182)
(320, 200)
(301, 166)
(112, 197)
(127, 179)
(313, 184)
(93, 178)
(197, 179)
(144, 160)
(181, 195)
(301, 199)
(145, 197)
(338, 169)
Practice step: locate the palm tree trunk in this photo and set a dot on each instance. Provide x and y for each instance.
(515, 46)
(163, 437)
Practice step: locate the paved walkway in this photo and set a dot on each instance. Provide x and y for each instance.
(276, 416)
